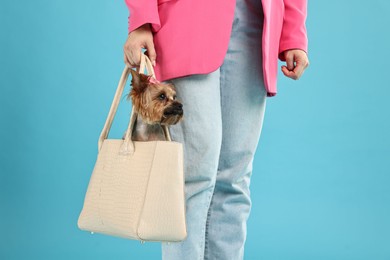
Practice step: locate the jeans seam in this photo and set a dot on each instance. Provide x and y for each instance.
(207, 224)
(215, 183)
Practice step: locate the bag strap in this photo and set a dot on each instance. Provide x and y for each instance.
(128, 145)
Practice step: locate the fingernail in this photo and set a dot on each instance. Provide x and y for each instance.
(154, 63)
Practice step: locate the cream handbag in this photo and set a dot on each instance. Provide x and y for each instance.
(136, 190)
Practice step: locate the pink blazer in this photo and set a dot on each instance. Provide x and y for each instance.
(192, 36)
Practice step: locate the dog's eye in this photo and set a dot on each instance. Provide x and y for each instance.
(174, 97)
(162, 97)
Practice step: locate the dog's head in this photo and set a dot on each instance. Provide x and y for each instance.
(155, 102)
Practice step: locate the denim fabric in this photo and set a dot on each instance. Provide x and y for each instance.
(223, 117)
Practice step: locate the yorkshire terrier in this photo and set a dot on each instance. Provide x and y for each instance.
(156, 105)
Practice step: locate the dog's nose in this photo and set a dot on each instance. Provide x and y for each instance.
(178, 105)
(175, 109)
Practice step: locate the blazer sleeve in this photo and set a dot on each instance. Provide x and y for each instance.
(294, 33)
(141, 12)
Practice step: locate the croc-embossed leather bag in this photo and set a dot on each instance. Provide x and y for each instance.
(136, 190)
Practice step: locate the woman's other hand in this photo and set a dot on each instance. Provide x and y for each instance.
(141, 37)
(296, 61)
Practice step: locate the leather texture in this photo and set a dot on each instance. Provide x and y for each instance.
(136, 190)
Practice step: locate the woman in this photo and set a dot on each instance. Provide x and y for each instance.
(222, 57)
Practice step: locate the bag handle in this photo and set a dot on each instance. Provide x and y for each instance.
(127, 145)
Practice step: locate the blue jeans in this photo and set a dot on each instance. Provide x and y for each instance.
(223, 117)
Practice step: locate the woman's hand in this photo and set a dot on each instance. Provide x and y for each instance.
(296, 61)
(141, 37)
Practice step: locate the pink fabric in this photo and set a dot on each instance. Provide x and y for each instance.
(192, 36)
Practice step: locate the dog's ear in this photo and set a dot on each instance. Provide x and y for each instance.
(135, 79)
(139, 81)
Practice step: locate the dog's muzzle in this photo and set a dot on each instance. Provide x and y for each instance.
(175, 109)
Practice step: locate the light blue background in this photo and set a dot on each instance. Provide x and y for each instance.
(320, 187)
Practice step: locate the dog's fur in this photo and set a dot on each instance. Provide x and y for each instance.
(156, 105)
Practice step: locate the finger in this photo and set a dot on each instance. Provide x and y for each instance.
(126, 61)
(289, 73)
(128, 56)
(151, 52)
(299, 68)
(129, 60)
(135, 56)
(290, 61)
